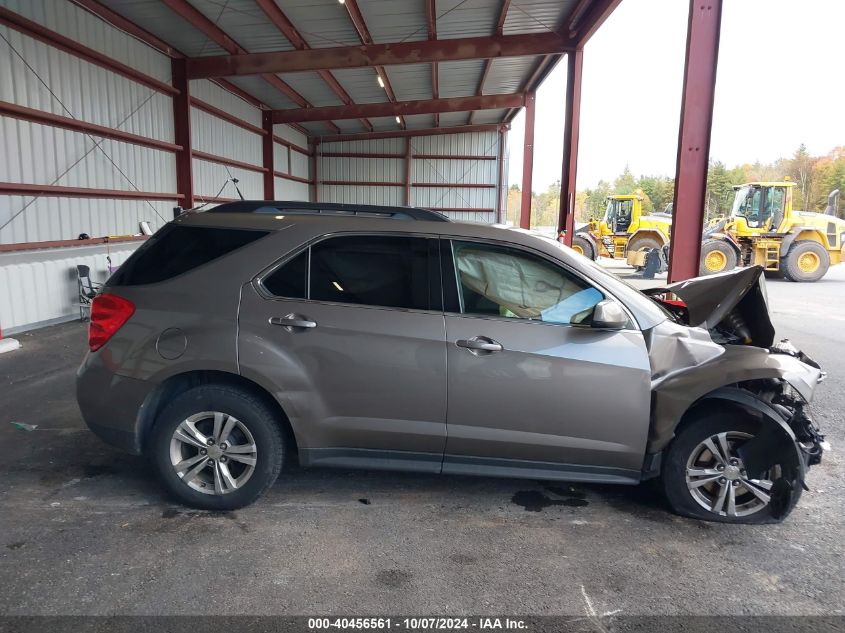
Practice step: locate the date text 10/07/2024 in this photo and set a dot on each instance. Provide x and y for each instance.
(416, 624)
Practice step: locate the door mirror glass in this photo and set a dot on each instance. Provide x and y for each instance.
(608, 314)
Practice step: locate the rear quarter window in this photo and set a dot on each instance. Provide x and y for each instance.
(176, 249)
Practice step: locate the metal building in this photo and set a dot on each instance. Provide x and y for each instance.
(113, 112)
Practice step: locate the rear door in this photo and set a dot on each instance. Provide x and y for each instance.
(350, 333)
(531, 384)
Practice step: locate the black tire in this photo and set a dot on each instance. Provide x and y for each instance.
(642, 243)
(716, 249)
(674, 471)
(791, 265)
(587, 250)
(252, 412)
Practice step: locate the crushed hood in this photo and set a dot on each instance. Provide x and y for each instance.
(733, 303)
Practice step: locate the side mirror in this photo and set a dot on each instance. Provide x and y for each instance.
(609, 315)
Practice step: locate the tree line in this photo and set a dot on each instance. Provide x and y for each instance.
(815, 177)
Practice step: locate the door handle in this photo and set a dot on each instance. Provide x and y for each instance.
(292, 321)
(479, 344)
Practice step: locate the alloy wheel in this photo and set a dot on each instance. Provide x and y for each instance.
(717, 480)
(213, 452)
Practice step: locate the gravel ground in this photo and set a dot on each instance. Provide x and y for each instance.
(85, 529)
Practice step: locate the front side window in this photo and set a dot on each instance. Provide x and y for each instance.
(375, 270)
(506, 282)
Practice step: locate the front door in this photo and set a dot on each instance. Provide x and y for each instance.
(531, 384)
(350, 332)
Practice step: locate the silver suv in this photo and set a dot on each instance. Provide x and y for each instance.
(256, 333)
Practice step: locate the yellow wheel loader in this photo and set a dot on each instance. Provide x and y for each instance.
(763, 229)
(624, 231)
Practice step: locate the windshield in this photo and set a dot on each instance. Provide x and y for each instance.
(618, 212)
(739, 200)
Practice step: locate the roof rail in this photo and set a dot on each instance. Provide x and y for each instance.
(294, 207)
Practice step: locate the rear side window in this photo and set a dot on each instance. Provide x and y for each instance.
(380, 270)
(176, 249)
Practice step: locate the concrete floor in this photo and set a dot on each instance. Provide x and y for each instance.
(85, 529)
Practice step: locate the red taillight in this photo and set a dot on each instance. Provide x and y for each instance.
(108, 314)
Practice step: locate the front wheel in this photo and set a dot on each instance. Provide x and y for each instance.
(217, 447)
(583, 246)
(717, 256)
(704, 477)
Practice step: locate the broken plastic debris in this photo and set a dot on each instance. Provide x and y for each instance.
(20, 426)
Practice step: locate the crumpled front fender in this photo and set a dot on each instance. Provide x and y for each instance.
(674, 394)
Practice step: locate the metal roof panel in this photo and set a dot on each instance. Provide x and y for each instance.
(395, 20)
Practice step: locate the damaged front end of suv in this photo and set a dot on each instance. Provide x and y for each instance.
(730, 414)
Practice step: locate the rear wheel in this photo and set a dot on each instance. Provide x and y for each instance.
(643, 244)
(583, 246)
(717, 256)
(805, 261)
(217, 447)
(704, 477)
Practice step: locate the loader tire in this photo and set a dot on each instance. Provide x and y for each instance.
(583, 246)
(717, 256)
(805, 261)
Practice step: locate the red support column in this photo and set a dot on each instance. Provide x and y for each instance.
(267, 155)
(182, 133)
(501, 211)
(408, 171)
(566, 218)
(694, 137)
(527, 163)
(315, 180)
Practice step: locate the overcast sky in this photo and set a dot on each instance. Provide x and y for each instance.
(779, 84)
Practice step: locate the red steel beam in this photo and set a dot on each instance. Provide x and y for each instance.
(360, 25)
(222, 160)
(315, 176)
(426, 51)
(127, 26)
(138, 32)
(408, 169)
(500, 29)
(363, 183)
(462, 209)
(527, 163)
(569, 168)
(500, 212)
(458, 185)
(48, 118)
(182, 133)
(435, 131)
(431, 23)
(56, 40)
(281, 22)
(702, 56)
(199, 104)
(292, 177)
(198, 20)
(584, 28)
(289, 145)
(53, 191)
(453, 156)
(267, 153)
(425, 106)
(29, 246)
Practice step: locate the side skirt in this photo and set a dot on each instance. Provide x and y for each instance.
(435, 463)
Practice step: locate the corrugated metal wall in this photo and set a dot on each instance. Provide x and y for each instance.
(213, 135)
(291, 162)
(39, 287)
(382, 180)
(40, 154)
